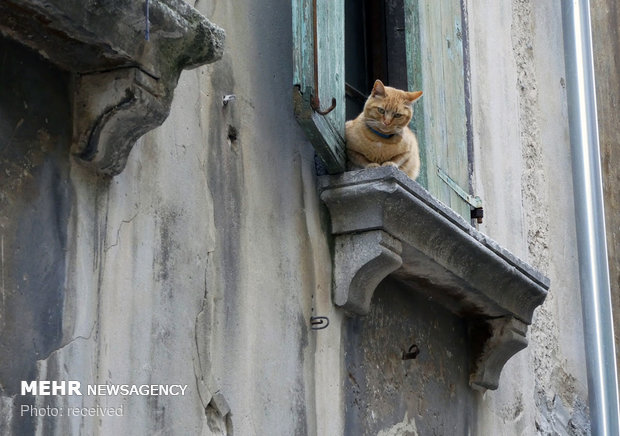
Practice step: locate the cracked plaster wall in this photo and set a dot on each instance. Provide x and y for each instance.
(197, 265)
(523, 173)
(202, 262)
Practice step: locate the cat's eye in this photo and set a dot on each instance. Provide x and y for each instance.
(398, 115)
(381, 110)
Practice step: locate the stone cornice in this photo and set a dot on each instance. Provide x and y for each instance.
(123, 84)
(386, 224)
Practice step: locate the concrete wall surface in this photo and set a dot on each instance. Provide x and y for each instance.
(201, 264)
(523, 172)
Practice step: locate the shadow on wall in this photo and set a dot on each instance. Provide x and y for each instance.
(35, 201)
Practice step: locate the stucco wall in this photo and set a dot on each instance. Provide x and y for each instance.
(428, 394)
(522, 171)
(203, 261)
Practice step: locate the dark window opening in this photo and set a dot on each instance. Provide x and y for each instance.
(375, 48)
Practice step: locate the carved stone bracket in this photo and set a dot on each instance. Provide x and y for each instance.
(114, 109)
(362, 260)
(386, 224)
(123, 83)
(500, 339)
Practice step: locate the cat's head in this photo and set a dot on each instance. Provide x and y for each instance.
(388, 109)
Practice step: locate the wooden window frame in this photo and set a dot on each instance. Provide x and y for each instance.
(435, 51)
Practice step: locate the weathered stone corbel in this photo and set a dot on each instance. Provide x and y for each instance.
(499, 340)
(112, 110)
(123, 82)
(362, 260)
(386, 224)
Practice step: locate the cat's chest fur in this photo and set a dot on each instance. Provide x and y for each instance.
(380, 135)
(363, 140)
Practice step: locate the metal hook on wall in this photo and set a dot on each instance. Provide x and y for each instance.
(316, 106)
(319, 322)
(412, 353)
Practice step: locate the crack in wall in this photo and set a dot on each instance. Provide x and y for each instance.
(118, 232)
(69, 343)
(199, 371)
(217, 414)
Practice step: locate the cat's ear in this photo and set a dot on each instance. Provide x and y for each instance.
(413, 96)
(378, 90)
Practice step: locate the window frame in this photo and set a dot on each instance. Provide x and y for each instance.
(442, 118)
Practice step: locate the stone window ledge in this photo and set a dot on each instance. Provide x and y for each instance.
(123, 84)
(386, 224)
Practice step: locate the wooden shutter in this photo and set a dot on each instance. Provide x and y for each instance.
(436, 66)
(326, 132)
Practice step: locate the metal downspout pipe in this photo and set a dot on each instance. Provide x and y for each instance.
(590, 221)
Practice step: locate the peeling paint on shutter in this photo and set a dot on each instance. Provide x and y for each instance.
(436, 66)
(326, 132)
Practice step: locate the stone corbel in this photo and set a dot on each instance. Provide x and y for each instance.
(362, 260)
(499, 340)
(123, 82)
(111, 111)
(386, 224)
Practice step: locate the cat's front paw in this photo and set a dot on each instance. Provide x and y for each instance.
(373, 165)
(387, 164)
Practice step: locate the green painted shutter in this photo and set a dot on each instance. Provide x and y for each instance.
(435, 65)
(326, 132)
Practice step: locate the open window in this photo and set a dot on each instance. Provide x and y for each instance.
(413, 45)
(342, 46)
(375, 48)
(385, 226)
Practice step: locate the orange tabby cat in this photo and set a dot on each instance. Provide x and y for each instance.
(380, 135)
